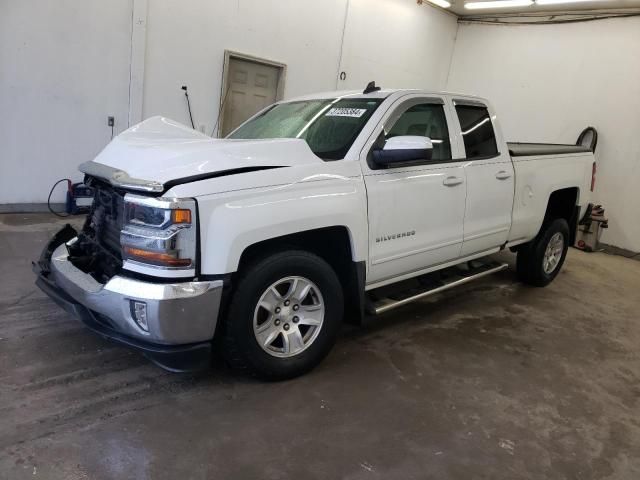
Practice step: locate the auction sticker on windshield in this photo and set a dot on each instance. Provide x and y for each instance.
(346, 112)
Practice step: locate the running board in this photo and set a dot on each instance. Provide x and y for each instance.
(386, 304)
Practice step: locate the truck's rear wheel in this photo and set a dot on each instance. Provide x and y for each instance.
(539, 261)
(284, 315)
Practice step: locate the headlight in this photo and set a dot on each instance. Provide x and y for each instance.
(159, 234)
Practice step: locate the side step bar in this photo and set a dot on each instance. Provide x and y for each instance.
(386, 304)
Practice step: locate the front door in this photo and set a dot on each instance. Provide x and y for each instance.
(490, 179)
(416, 213)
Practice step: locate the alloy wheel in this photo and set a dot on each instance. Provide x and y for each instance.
(288, 316)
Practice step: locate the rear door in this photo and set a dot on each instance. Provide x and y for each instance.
(490, 177)
(415, 212)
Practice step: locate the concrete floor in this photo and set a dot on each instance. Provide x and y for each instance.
(495, 380)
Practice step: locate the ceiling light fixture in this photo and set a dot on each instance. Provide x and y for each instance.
(497, 4)
(553, 2)
(440, 3)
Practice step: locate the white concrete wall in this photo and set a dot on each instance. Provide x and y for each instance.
(549, 82)
(186, 41)
(64, 67)
(398, 44)
(395, 42)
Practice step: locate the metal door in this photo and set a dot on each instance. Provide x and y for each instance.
(416, 213)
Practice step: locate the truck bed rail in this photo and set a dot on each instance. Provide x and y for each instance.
(517, 149)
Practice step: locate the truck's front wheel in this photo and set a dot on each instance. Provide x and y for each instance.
(539, 261)
(284, 315)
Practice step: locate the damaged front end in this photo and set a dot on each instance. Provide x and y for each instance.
(96, 250)
(83, 273)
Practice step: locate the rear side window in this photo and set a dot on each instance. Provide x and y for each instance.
(425, 120)
(477, 131)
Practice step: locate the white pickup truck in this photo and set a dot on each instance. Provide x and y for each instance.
(324, 207)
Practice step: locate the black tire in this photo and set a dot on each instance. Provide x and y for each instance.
(240, 346)
(529, 265)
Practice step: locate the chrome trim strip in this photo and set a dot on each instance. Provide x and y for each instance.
(159, 291)
(160, 202)
(421, 271)
(120, 178)
(462, 281)
(157, 271)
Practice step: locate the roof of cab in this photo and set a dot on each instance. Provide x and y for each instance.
(343, 93)
(383, 93)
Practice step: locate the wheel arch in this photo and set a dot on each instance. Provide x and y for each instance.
(335, 245)
(563, 203)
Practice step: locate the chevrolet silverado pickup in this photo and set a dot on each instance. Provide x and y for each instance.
(324, 207)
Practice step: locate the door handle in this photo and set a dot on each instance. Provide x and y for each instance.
(452, 181)
(503, 175)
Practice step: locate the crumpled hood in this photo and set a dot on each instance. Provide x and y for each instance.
(162, 151)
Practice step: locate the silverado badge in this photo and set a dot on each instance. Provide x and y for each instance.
(395, 236)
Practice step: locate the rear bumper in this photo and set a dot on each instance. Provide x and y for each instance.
(181, 317)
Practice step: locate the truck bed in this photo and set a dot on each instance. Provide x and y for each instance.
(517, 149)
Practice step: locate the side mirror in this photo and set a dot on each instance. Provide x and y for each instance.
(404, 150)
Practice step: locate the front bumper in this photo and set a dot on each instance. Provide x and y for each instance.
(181, 317)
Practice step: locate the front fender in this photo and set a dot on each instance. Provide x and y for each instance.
(232, 222)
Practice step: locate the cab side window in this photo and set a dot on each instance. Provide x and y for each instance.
(425, 120)
(477, 131)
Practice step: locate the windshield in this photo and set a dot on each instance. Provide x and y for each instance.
(329, 126)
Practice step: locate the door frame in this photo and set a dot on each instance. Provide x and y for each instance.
(233, 55)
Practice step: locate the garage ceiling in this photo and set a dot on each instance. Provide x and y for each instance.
(457, 7)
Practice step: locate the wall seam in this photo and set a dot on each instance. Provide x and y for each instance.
(137, 59)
